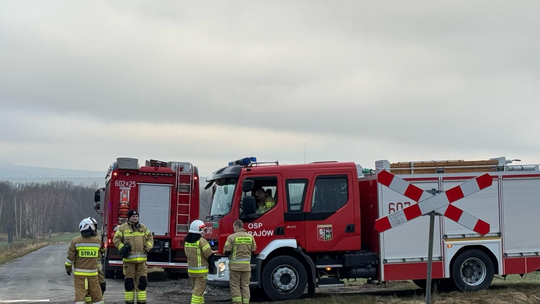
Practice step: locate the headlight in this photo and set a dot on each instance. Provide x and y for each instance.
(221, 268)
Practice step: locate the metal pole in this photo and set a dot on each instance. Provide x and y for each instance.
(10, 235)
(430, 256)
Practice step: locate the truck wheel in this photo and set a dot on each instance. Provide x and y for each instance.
(284, 278)
(109, 274)
(472, 270)
(119, 274)
(172, 275)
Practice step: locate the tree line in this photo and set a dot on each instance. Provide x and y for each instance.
(32, 209)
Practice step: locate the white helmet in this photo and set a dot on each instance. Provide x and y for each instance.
(196, 226)
(93, 220)
(87, 224)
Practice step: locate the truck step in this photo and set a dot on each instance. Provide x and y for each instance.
(330, 282)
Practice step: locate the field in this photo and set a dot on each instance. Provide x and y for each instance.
(513, 289)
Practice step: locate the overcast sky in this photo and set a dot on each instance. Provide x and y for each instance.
(85, 82)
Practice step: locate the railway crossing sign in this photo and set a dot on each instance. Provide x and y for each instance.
(440, 203)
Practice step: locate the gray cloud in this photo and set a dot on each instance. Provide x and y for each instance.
(411, 79)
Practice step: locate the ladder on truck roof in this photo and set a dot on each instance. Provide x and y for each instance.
(184, 195)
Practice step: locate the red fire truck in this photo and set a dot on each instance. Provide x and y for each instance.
(166, 194)
(322, 228)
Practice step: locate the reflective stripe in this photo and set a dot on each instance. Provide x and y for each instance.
(118, 233)
(206, 247)
(243, 240)
(85, 270)
(85, 274)
(69, 262)
(129, 233)
(192, 245)
(87, 245)
(190, 270)
(129, 296)
(138, 255)
(120, 246)
(141, 295)
(240, 261)
(134, 260)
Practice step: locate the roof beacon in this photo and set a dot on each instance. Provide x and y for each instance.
(246, 161)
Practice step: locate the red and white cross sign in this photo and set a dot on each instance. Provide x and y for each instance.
(441, 203)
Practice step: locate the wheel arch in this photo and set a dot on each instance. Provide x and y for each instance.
(482, 248)
(296, 253)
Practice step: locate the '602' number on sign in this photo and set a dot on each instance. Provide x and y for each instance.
(393, 207)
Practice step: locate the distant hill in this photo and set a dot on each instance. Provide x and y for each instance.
(30, 174)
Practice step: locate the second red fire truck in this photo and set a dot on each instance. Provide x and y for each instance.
(321, 230)
(166, 194)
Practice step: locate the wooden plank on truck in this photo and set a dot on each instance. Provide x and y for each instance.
(453, 166)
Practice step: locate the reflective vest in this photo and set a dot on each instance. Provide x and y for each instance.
(84, 256)
(197, 254)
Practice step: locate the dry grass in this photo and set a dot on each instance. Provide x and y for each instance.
(513, 290)
(22, 247)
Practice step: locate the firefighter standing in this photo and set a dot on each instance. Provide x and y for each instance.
(83, 258)
(198, 253)
(239, 247)
(101, 277)
(133, 241)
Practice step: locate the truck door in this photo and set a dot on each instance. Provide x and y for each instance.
(330, 219)
(266, 224)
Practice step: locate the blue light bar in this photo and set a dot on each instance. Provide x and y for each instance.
(243, 161)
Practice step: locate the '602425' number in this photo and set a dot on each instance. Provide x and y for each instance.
(393, 207)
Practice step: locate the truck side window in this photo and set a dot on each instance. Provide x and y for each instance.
(296, 193)
(330, 193)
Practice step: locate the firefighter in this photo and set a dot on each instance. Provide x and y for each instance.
(198, 253)
(133, 241)
(265, 201)
(83, 259)
(239, 247)
(101, 277)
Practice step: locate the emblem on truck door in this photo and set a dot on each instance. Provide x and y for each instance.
(324, 233)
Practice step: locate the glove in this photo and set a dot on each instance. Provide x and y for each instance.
(68, 270)
(211, 263)
(103, 286)
(125, 251)
(147, 249)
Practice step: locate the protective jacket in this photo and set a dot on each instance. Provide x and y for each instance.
(241, 245)
(197, 254)
(140, 239)
(83, 256)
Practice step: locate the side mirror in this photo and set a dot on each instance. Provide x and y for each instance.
(247, 185)
(249, 205)
(97, 200)
(97, 196)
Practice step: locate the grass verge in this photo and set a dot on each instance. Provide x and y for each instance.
(9, 252)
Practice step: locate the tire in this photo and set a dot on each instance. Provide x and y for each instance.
(109, 274)
(119, 274)
(472, 271)
(284, 278)
(172, 275)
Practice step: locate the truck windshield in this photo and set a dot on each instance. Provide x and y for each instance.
(222, 201)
